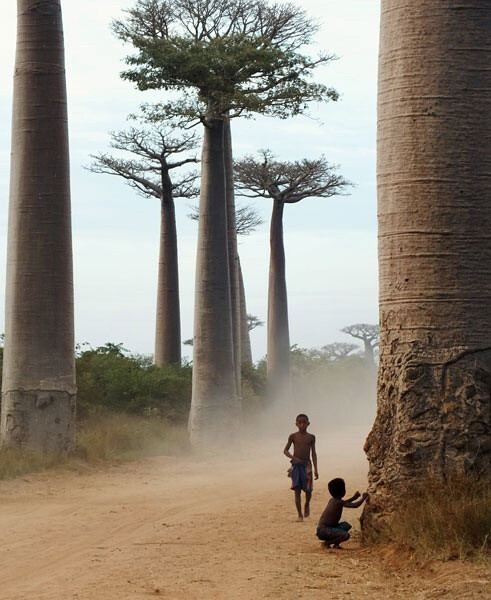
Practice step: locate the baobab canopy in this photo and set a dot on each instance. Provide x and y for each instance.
(239, 57)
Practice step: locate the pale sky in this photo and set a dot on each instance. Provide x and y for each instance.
(330, 243)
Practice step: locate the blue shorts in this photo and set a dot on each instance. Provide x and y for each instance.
(334, 534)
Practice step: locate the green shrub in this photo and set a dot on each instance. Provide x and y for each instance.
(109, 378)
(253, 388)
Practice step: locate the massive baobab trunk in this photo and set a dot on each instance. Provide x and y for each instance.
(214, 406)
(168, 323)
(38, 392)
(233, 255)
(434, 184)
(278, 358)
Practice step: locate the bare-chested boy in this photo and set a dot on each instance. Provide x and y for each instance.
(330, 529)
(301, 469)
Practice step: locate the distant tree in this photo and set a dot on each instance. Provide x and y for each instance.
(368, 334)
(159, 150)
(284, 183)
(338, 350)
(245, 338)
(253, 322)
(38, 388)
(247, 219)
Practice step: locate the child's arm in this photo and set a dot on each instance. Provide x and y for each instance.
(353, 497)
(314, 458)
(286, 451)
(349, 504)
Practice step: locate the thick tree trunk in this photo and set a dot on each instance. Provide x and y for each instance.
(233, 255)
(434, 183)
(245, 338)
(278, 358)
(168, 323)
(38, 391)
(214, 412)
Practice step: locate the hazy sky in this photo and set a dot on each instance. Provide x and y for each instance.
(330, 243)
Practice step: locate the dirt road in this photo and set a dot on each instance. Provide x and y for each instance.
(189, 530)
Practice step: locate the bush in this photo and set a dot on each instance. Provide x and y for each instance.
(253, 388)
(445, 520)
(108, 378)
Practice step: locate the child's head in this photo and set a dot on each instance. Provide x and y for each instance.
(337, 487)
(302, 422)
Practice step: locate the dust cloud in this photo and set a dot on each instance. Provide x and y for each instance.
(340, 401)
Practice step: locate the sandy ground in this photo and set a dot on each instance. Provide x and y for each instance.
(181, 529)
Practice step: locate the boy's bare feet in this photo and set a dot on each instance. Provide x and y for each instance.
(306, 511)
(299, 518)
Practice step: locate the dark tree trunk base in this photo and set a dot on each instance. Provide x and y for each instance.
(436, 423)
(41, 420)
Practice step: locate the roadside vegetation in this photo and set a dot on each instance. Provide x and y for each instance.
(127, 408)
(442, 520)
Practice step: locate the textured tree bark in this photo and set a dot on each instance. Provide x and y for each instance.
(278, 357)
(245, 338)
(434, 183)
(233, 255)
(38, 391)
(168, 322)
(214, 414)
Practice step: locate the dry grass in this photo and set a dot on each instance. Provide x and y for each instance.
(106, 438)
(14, 463)
(124, 437)
(445, 520)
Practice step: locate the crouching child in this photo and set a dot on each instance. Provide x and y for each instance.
(331, 529)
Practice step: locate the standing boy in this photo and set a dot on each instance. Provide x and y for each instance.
(301, 469)
(330, 529)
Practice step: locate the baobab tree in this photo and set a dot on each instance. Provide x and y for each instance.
(231, 57)
(38, 389)
(283, 183)
(434, 166)
(253, 322)
(338, 350)
(247, 220)
(159, 150)
(368, 334)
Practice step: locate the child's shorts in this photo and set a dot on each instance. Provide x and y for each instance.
(334, 534)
